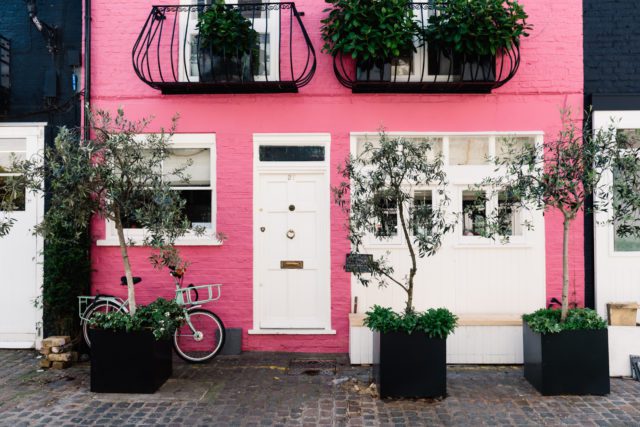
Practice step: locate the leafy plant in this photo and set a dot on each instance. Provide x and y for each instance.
(117, 175)
(162, 317)
(384, 176)
(561, 174)
(476, 27)
(548, 321)
(229, 34)
(370, 31)
(435, 322)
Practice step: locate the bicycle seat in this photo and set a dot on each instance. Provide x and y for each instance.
(123, 280)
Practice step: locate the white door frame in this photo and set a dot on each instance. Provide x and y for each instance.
(291, 139)
(607, 289)
(34, 133)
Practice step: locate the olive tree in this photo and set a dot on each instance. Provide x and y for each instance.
(379, 182)
(117, 175)
(563, 174)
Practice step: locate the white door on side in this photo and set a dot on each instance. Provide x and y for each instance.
(20, 269)
(293, 250)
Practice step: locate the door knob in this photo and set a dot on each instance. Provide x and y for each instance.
(291, 234)
(262, 229)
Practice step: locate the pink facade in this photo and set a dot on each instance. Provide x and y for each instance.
(550, 78)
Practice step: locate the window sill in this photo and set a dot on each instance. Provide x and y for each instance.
(291, 332)
(204, 241)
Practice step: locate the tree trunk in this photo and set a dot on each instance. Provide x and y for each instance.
(565, 269)
(414, 267)
(127, 264)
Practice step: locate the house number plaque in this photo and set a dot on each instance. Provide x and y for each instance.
(291, 265)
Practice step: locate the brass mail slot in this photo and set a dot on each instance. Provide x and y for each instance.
(291, 265)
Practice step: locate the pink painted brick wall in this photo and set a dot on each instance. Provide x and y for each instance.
(549, 78)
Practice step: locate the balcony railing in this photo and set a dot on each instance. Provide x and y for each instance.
(169, 56)
(429, 70)
(5, 74)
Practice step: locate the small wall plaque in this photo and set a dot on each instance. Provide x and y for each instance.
(358, 263)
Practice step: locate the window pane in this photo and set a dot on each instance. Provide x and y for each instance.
(515, 145)
(401, 67)
(474, 214)
(625, 243)
(198, 207)
(421, 213)
(387, 214)
(252, 10)
(628, 138)
(264, 56)
(297, 153)
(436, 144)
(13, 144)
(508, 216)
(193, 56)
(468, 150)
(7, 159)
(18, 199)
(198, 172)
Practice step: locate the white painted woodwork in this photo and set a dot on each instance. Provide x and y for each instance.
(469, 275)
(617, 274)
(291, 300)
(623, 342)
(20, 252)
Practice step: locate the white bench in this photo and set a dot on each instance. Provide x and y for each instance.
(478, 339)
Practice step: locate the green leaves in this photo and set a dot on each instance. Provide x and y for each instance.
(547, 321)
(476, 27)
(229, 34)
(370, 31)
(435, 322)
(162, 317)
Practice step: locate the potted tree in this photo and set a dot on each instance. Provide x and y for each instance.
(561, 174)
(118, 175)
(228, 45)
(372, 33)
(377, 194)
(475, 31)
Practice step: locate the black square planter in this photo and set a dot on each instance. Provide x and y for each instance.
(410, 365)
(569, 362)
(128, 362)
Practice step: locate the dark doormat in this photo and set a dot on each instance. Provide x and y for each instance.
(312, 367)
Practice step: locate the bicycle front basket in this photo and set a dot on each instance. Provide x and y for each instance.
(198, 295)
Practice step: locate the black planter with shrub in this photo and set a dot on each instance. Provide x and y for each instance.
(129, 362)
(410, 351)
(228, 46)
(410, 365)
(570, 358)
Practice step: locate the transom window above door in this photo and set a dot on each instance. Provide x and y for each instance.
(11, 149)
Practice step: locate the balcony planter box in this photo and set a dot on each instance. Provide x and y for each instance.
(373, 71)
(479, 69)
(569, 362)
(215, 68)
(128, 362)
(409, 365)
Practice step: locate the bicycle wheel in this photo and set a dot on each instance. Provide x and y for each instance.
(205, 342)
(98, 307)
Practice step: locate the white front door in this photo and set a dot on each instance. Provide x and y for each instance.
(293, 250)
(291, 234)
(20, 264)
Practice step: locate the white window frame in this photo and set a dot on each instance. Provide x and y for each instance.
(179, 141)
(188, 28)
(460, 178)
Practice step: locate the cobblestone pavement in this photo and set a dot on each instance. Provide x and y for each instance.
(256, 389)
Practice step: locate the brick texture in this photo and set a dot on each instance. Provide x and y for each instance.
(550, 78)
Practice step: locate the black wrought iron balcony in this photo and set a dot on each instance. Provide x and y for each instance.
(5, 74)
(429, 70)
(170, 55)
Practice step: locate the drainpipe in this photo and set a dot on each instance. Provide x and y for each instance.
(87, 65)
